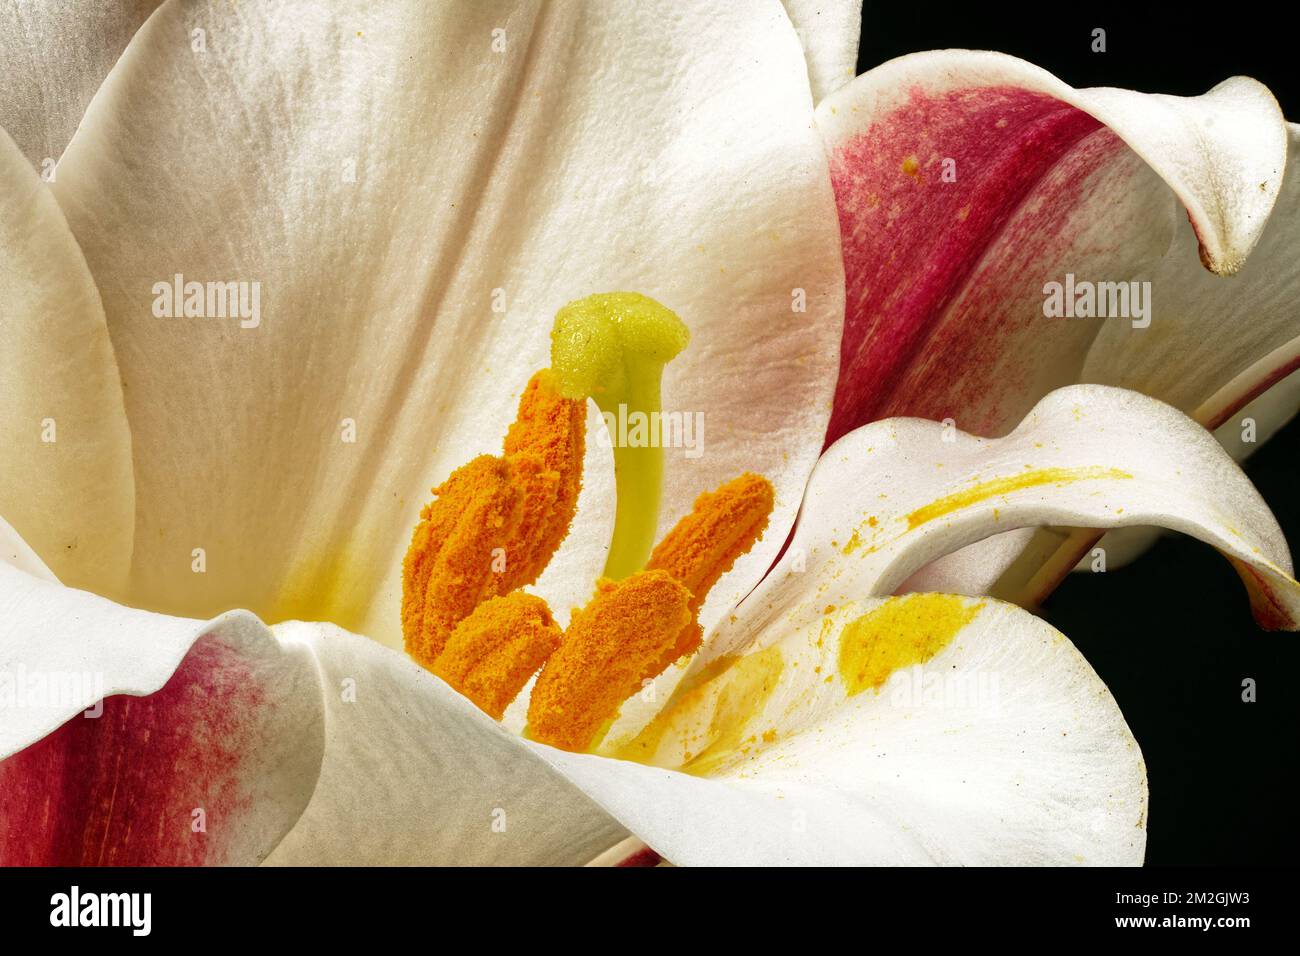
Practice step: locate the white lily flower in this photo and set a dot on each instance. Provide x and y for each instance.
(383, 185)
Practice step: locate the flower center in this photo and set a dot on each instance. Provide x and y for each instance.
(495, 523)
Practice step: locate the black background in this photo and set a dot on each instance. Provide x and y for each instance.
(1171, 635)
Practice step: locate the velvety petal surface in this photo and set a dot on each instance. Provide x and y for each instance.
(1241, 435)
(1215, 345)
(55, 55)
(832, 744)
(416, 188)
(829, 31)
(65, 450)
(414, 774)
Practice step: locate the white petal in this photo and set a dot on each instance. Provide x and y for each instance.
(891, 497)
(1247, 429)
(974, 569)
(1215, 345)
(15, 551)
(1002, 748)
(1266, 415)
(966, 181)
(829, 31)
(55, 56)
(200, 744)
(414, 774)
(650, 146)
(65, 472)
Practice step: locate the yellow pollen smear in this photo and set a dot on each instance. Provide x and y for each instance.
(708, 721)
(495, 523)
(704, 545)
(611, 646)
(1002, 486)
(741, 694)
(492, 653)
(901, 632)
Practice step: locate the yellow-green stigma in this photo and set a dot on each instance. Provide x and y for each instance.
(612, 348)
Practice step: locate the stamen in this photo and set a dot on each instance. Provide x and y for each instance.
(448, 567)
(704, 545)
(545, 445)
(613, 644)
(492, 653)
(613, 348)
(496, 522)
(463, 616)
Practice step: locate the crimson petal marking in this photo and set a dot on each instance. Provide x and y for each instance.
(122, 789)
(945, 261)
(913, 343)
(942, 318)
(218, 717)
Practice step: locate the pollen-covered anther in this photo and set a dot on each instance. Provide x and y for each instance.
(448, 568)
(611, 646)
(492, 653)
(496, 522)
(545, 445)
(704, 544)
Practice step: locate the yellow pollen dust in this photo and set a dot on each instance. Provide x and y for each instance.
(901, 632)
(738, 698)
(709, 720)
(1001, 486)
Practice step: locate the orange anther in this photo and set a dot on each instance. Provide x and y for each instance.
(496, 522)
(545, 444)
(492, 653)
(613, 644)
(448, 567)
(704, 545)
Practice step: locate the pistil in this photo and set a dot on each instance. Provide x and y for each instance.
(612, 348)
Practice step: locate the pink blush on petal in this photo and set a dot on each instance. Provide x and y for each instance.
(122, 789)
(914, 244)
